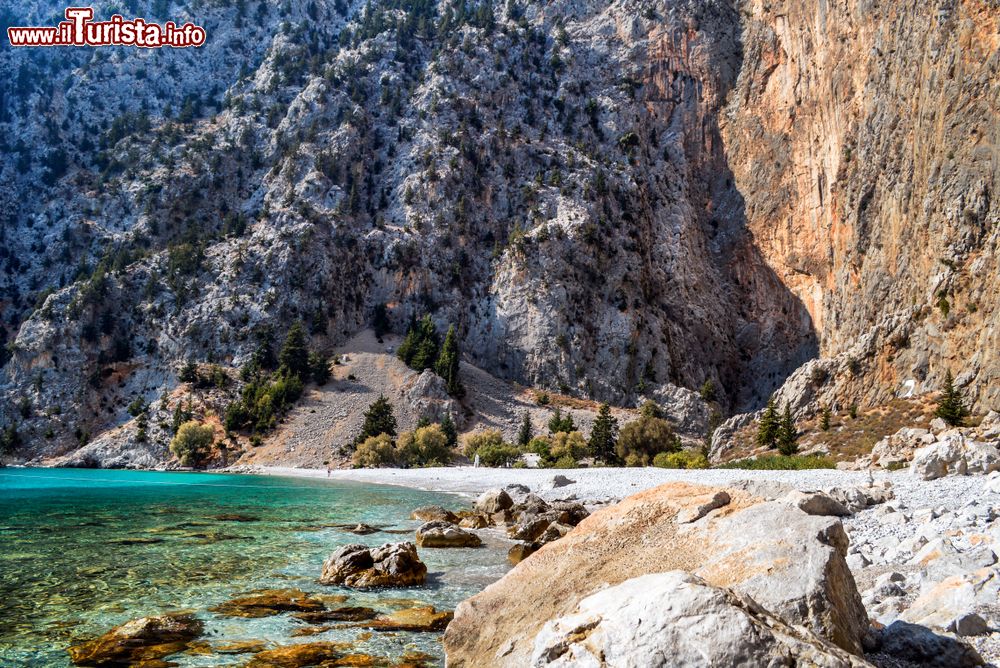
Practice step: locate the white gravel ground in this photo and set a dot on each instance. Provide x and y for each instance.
(612, 484)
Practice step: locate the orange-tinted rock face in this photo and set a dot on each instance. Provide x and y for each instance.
(863, 139)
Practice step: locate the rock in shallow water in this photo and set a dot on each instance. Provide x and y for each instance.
(144, 639)
(269, 602)
(677, 619)
(432, 513)
(445, 534)
(391, 565)
(300, 656)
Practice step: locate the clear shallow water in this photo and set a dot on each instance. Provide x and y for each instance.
(84, 550)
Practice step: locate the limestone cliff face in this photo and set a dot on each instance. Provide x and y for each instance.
(610, 199)
(863, 136)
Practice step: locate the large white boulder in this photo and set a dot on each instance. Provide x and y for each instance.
(955, 455)
(677, 619)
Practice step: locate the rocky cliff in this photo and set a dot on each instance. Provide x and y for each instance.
(609, 199)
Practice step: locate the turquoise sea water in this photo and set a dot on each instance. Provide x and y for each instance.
(84, 550)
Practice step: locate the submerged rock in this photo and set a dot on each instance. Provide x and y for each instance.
(432, 513)
(144, 639)
(299, 656)
(391, 565)
(342, 614)
(678, 619)
(445, 534)
(361, 529)
(268, 602)
(424, 618)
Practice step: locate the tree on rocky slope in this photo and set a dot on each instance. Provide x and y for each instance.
(767, 427)
(447, 364)
(378, 420)
(449, 430)
(559, 422)
(419, 350)
(294, 354)
(524, 433)
(788, 434)
(192, 443)
(604, 436)
(951, 404)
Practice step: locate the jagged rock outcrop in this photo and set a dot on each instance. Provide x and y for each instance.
(678, 619)
(736, 541)
(361, 567)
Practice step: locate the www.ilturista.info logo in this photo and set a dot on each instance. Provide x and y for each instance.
(80, 30)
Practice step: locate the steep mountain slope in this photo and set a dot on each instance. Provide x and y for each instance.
(864, 138)
(609, 199)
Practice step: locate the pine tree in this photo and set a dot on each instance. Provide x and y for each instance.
(419, 349)
(188, 373)
(447, 365)
(951, 405)
(559, 422)
(767, 428)
(449, 430)
(378, 420)
(604, 436)
(788, 435)
(824, 419)
(294, 355)
(524, 434)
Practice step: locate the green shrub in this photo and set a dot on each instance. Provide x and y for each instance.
(685, 459)
(192, 443)
(263, 401)
(375, 452)
(498, 455)
(427, 446)
(646, 437)
(565, 462)
(491, 448)
(781, 463)
(568, 444)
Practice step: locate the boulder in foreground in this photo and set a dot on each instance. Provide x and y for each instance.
(789, 562)
(677, 619)
(361, 567)
(140, 640)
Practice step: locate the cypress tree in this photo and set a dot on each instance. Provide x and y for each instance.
(294, 355)
(409, 345)
(524, 434)
(824, 420)
(378, 420)
(449, 430)
(767, 428)
(604, 436)
(951, 405)
(447, 365)
(788, 435)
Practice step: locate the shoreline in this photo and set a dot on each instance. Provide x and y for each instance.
(593, 486)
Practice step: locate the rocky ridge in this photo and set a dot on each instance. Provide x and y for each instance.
(609, 199)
